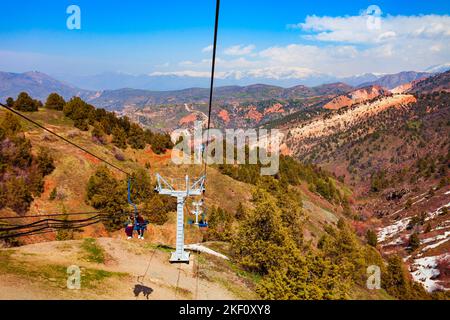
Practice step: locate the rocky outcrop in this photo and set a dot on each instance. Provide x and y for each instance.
(356, 96)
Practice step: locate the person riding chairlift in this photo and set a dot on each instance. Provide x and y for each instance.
(140, 226)
(129, 227)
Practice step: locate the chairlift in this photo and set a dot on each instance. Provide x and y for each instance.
(199, 212)
(136, 225)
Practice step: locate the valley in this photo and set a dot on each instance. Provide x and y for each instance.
(393, 150)
(368, 159)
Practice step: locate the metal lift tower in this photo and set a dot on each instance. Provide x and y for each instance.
(185, 190)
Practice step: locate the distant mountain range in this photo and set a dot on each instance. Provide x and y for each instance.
(128, 89)
(116, 99)
(391, 81)
(438, 82)
(40, 85)
(164, 82)
(438, 68)
(37, 84)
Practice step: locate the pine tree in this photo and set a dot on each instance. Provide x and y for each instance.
(98, 133)
(21, 176)
(136, 137)
(414, 242)
(53, 194)
(104, 192)
(45, 162)
(10, 102)
(55, 101)
(119, 138)
(25, 103)
(261, 239)
(396, 281)
(81, 124)
(157, 210)
(240, 212)
(141, 186)
(10, 125)
(75, 109)
(219, 224)
(371, 237)
(19, 196)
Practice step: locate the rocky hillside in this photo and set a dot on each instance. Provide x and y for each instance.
(235, 107)
(114, 99)
(356, 97)
(311, 225)
(440, 82)
(393, 151)
(309, 222)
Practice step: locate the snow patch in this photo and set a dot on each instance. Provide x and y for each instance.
(200, 248)
(435, 213)
(393, 229)
(444, 225)
(434, 245)
(401, 225)
(395, 242)
(436, 238)
(424, 271)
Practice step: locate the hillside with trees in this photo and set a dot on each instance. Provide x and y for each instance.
(291, 236)
(393, 152)
(21, 171)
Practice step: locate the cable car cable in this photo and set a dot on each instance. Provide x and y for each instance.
(213, 67)
(66, 140)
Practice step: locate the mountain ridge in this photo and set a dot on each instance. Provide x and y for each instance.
(393, 151)
(391, 81)
(41, 85)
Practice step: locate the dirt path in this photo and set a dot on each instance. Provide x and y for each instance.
(146, 268)
(198, 112)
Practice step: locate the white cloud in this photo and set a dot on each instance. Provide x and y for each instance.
(339, 46)
(208, 48)
(350, 45)
(356, 29)
(239, 50)
(281, 73)
(266, 73)
(238, 63)
(184, 73)
(436, 48)
(186, 63)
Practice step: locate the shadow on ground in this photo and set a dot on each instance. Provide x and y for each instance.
(146, 291)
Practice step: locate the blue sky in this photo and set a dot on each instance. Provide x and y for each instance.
(256, 38)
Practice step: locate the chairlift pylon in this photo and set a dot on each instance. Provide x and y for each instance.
(197, 188)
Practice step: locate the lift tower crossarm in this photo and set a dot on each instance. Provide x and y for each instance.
(196, 189)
